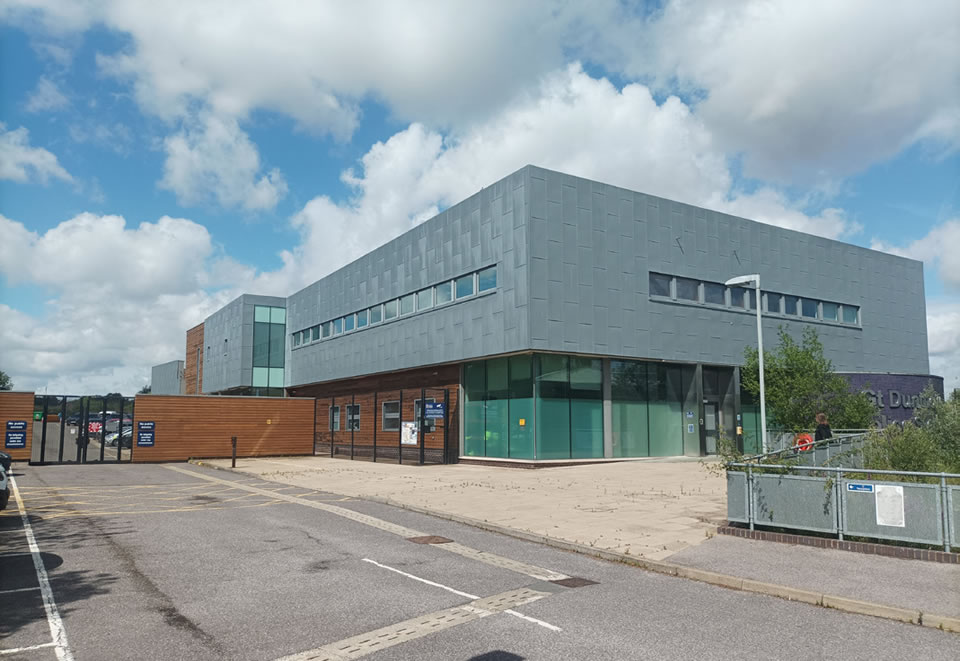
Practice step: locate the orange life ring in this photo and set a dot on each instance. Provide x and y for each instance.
(803, 442)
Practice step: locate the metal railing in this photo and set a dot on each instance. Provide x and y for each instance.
(922, 508)
(845, 446)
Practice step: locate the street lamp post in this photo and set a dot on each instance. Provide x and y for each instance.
(747, 281)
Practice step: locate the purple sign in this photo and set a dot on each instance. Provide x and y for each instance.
(895, 395)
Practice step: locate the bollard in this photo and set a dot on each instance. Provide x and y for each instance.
(233, 460)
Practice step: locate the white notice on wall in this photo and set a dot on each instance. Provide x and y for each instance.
(408, 433)
(890, 506)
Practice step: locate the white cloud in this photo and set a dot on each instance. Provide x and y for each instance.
(811, 89)
(943, 335)
(121, 300)
(214, 158)
(21, 162)
(116, 137)
(571, 122)
(46, 96)
(939, 248)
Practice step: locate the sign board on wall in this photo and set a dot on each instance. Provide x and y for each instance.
(16, 434)
(146, 431)
(408, 433)
(433, 410)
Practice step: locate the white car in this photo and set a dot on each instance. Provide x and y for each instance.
(4, 488)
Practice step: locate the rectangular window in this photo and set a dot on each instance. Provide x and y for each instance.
(296, 339)
(376, 314)
(361, 318)
(660, 284)
(276, 377)
(850, 314)
(487, 279)
(338, 326)
(831, 311)
(737, 298)
(808, 308)
(688, 290)
(752, 299)
(261, 313)
(714, 293)
(790, 304)
(772, 303)
(465, 286)
(334, 418)
(424, 299)
(390, 310)
(391, 416)
(429, 424)
(348, 322)
(261, 376)
(316, 333)
(406, 304)
(278, 315)
(444, 292)
(327, 329)
(353, 417)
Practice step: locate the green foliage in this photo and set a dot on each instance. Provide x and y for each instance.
(144, 390)
(5, 382)
(931, 443)
(800, 382)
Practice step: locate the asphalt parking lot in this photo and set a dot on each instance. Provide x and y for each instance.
(182, 562)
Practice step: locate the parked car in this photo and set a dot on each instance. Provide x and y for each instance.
(74, 419)
(5, 460)
(125, 438)
(4, 488)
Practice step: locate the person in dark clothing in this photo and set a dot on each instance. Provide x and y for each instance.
(823, 428)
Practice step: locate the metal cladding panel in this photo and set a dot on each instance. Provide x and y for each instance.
(227, 364)
(487, 228)
(167, 378)
(737, 497)
(593, 245)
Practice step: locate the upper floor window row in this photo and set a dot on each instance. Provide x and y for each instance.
(689, 290)
(411, 303)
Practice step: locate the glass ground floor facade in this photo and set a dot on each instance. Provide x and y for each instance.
(554, 406)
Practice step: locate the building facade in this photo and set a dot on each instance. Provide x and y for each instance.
(580, 320)
(167, 378)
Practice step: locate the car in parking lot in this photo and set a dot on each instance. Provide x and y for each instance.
(123, 438)
(4, 488)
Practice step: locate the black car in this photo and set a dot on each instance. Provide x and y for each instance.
(5, 460)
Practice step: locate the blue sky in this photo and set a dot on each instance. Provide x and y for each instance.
(159, 158)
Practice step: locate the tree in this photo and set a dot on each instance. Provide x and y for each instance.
(5, 382)
(800, 382)
(144, 390)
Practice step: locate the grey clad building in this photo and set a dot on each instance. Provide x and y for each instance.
(167, 378)
(567, 319)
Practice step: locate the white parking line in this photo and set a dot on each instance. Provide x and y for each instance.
(546, 625)
(19, 590)
(17, 650)
(57, 632)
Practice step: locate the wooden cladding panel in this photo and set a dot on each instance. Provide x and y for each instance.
(17, 406)
(193, 364)
(201, 426)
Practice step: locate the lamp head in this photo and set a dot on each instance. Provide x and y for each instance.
(743, 280)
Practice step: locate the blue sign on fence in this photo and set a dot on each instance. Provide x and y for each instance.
(854, 486)
(16, 425)
(433, 410)
(145, 434)
(16, 439)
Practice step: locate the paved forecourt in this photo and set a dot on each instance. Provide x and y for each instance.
(172, 562)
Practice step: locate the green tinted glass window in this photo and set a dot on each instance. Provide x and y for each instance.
(261, 313)
(444, 292)
(278, 315)
(487, 279)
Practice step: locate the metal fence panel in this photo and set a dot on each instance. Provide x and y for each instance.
(953, 510)
(794, 501)
(737, 497)
(914, 517)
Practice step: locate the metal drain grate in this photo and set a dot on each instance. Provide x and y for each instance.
(429, 539)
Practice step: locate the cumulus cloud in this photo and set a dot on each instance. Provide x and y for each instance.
(214, 158)
(939, 248)
(121, 298)
(46, 96)
(943, 335)
(811, 89)
(571, 122)
(21, 162)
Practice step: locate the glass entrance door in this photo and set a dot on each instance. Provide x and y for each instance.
(712, 420)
